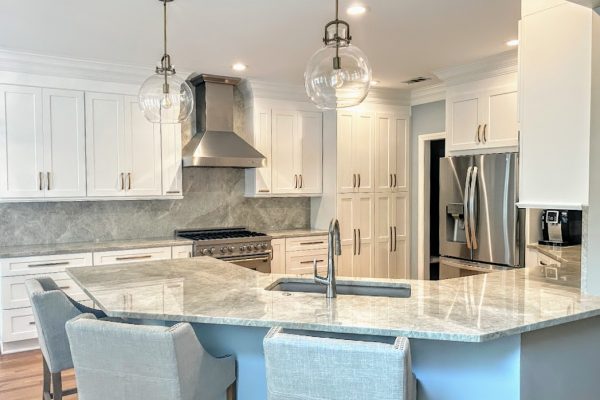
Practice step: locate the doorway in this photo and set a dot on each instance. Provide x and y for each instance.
(431, 149)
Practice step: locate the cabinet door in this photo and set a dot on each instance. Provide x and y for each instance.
(142, 149)
(399, 267)
(363, 143)
(278, 256)
(365, 211)
(262, 143)
(105, 152)
(385, 152)
(346, 171)
(64, 143)
(172, 167)
(346, 216)
(285, 138)
(384, 235)
(178, 252)
(500, 108)
(402, 152)
(310, 126)
(21, 142)
(463, 122)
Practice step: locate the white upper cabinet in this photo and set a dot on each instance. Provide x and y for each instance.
(43, 143)
(21, 142)
(391, 153)
(172, 167)
(356, 148)
(292, 141)
(105, 144)
(143, 152)
(482, 119)
(123, 148)
(64, 143)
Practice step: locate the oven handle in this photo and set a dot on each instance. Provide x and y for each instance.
(233, 259)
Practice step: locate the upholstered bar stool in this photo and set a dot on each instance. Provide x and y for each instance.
(52, 308)
(320, 366)
(131, 362)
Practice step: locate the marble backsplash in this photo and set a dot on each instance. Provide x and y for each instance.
(213, 197)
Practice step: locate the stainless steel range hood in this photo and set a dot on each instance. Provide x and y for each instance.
(214, 143)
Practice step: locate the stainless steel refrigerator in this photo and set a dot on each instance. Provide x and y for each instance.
(479, 219)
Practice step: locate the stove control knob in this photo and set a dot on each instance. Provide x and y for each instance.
(264, 246)
(242, 248)
(212, 250)
(231, 249)
(256, 247)
(223, 250)
(205, 252)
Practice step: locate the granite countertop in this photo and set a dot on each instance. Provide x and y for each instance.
(205, 290)
(291, 233)
(562, 254)
(87, 247)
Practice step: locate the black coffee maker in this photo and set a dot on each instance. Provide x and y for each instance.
(561, 227)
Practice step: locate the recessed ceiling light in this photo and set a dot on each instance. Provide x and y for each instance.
(239, 67)
(356, 9)
(513, 42)
(374, 82)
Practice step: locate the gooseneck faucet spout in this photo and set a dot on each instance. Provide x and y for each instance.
(334, 249)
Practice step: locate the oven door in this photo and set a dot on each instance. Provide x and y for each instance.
(257, 262)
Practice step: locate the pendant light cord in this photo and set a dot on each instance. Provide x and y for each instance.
(167, 62)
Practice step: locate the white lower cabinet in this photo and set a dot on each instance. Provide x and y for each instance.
(131, 256)
(391, 223)
(297, 255)
(278, 256)
(182, 251)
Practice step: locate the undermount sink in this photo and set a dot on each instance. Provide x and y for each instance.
(354, 288)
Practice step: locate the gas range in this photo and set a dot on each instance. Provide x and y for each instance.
(237, 245)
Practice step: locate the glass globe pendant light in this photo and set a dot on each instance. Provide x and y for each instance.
(165, 97)
(337, 75)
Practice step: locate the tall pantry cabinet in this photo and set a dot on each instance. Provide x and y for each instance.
(372, 192)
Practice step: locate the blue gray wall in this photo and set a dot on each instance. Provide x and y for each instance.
(425, 118)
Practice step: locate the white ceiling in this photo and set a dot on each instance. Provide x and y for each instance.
(402, 38)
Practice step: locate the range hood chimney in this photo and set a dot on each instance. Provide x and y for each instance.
(214, 143)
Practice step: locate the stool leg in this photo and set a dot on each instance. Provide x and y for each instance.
(57, 386)
(231, 392)
(46, 381)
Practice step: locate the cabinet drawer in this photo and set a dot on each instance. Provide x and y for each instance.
(129, 256)
(43, 264)
(182, 252)
(18, 324)
(306, 243)
(14, 292)
(301, 262)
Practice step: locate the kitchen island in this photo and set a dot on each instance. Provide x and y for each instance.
(503, 335)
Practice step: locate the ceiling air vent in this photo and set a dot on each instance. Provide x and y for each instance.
(416, 80)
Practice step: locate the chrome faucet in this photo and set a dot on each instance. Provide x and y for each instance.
(334, 249)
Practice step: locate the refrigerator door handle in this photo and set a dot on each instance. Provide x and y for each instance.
(466, 207)
(472, 209)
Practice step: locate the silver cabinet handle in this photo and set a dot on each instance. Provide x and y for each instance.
(358, 241)
(301, 181)
(466, 207)
(354, 242)
(41, 179)
(484, 132)
(395, 239)
(311, 262)
(129, 181)
(478, 133)
(173, 192)
(309, 243)
(295, 181)
(48, 180)
(391, 236)
(391, 181)
(122, 181)
(31, 322)
(395, 180)
(472, 209)
(146, 256)
(260, 191)
(353, 180)
(49, 264)
(359, 180)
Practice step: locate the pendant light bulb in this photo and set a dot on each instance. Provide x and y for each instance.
(164, 97)
(339, 74)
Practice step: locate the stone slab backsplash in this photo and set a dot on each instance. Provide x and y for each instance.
(213, 197)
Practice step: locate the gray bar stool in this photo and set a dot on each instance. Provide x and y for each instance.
(321, 366)
(52, 308)
(133, 362)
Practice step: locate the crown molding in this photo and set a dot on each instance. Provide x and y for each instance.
(72, 68)
(428, 94)
(489, 67)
